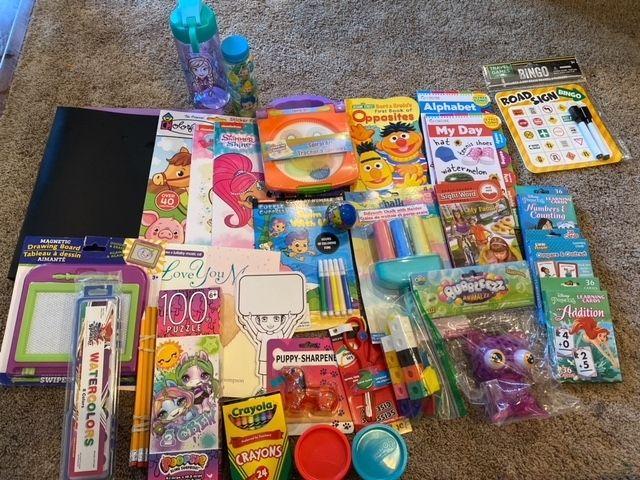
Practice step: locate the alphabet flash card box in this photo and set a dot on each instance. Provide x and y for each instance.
(197, 267)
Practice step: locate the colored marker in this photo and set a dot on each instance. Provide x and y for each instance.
(334, 288)
(578, 117)
(400, 238)
(597, 136)
(345, 285)
(341, 293)
(383, 241)
(321, 289)
(418, 235)
(337, 287)
(327, 289)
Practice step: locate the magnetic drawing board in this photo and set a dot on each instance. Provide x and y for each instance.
(47, 322)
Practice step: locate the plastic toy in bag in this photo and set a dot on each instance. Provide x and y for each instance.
(502, 366)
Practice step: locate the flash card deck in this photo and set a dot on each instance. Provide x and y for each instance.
(582, 343)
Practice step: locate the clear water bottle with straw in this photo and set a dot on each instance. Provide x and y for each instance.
(195, 30)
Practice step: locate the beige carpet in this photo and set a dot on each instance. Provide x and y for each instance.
(119, 53)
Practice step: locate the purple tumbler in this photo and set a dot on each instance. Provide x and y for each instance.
(195, 30)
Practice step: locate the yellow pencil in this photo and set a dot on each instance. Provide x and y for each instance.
(140, 424)
(137, 407)
(148, 387)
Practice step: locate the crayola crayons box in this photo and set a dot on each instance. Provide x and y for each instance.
(257, 441)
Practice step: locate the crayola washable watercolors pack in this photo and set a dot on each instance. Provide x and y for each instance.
(257, 439)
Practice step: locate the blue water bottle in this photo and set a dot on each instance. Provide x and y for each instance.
(195, 30)
(242, 83)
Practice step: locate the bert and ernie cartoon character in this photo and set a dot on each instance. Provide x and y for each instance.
(392, 160)
(403, 145)
(375, 171)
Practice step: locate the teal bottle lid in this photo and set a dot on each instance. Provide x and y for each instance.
(235, 49)
(379, 453)
(193, 22)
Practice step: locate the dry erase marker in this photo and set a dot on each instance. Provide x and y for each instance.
(595, 131)
(577, 116)
(345, 285)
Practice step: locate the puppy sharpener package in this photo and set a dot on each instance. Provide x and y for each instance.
(89, 436)
(551, 115)
(305, 371)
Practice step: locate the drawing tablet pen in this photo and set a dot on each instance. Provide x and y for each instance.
(595, 131)
(576, 116)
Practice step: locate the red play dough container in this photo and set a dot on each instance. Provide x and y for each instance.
(323, 453)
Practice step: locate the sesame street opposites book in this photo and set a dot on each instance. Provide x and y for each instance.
(386, 136)
(189, 267)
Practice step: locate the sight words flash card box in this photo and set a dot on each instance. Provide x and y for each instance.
(257, 439)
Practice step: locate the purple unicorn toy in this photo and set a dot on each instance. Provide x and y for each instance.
(501, 366)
